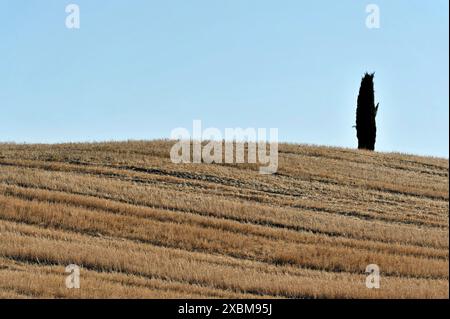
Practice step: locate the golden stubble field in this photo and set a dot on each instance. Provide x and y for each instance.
(142, 227)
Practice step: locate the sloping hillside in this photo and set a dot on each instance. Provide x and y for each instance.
(141, 226)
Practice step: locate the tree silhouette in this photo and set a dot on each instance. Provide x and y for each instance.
(366, 111)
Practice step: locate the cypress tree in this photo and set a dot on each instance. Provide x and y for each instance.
(366, 111)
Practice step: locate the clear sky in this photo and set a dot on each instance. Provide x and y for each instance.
(138, 69)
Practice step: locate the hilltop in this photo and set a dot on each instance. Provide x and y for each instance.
(141, 226)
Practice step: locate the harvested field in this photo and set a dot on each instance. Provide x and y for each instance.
(140, 226)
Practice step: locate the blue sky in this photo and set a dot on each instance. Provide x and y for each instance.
(138, 69)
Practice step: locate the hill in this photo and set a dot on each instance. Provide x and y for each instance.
(141, 226)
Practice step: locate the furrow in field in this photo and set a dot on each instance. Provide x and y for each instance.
(194, 238)
(244, 212)
(97, 204)
(403, 183)
(254, 219)
(359, 156)
(49, 281)
(260, 195)
(311, 167)
(155, 262)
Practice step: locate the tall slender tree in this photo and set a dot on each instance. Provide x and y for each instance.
(366, 111)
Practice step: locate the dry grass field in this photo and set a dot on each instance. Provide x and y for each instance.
(142, 227)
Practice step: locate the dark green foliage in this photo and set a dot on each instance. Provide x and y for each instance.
(366, 111)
